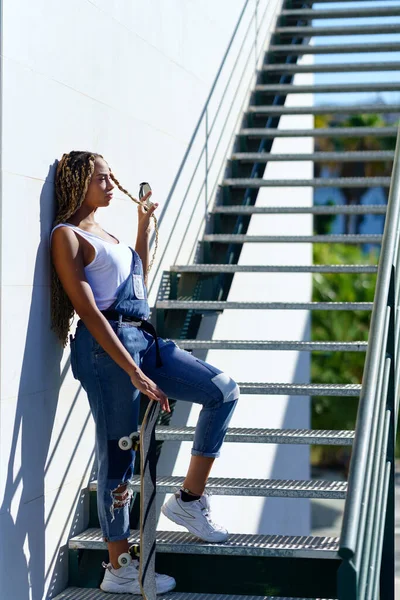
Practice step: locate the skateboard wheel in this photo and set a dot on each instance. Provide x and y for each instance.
(125, 443)
(134, 435)
(124, 559)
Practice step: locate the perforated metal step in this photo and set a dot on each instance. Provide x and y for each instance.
(74, 593)
(265, 436)
(325, 109)
(238, 544)
(209, 268)
(271, 488)
(316, 156)
(331, 132)
(334, 48)
(328, 88)
(340, 13)
(216, 305)
(312, 389)
(332, 68)
(345, 30)
(340, 209)
(222, 238)
(271, 345)
(349, 182)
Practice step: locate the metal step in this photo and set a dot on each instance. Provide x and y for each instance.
(332, 68)
(271, 345)
(74, 593)
(340, 209)
(336, 88)
(207, 268)
(300, 389)
(215, 305)
(264, 436)
(340, 13)
(330, 132)
(334, 48)
(338, 30)
(262, 488)
(238, 544)
(265, 157)
(325, 109)
(222, 238)
(323, 182)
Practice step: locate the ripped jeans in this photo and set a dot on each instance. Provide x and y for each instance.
(114, 403)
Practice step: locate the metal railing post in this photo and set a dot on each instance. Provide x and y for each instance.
(387, 573)
(206, 178)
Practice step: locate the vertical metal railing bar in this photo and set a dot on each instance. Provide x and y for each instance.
(368, 501)
(388, 550)
(360, 453)
(206, 174)
(367, 541)
(378, 532)
(378, 580)
(379, 521)
(396, 268)
(255, 33)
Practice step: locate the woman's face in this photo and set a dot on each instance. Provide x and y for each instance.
(99, 193)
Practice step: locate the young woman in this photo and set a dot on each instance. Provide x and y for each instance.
(115, 354)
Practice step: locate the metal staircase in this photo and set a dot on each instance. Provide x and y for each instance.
(287, 565)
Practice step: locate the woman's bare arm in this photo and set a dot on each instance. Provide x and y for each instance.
(68, 262)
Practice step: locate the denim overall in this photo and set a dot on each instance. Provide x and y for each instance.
(114, 401)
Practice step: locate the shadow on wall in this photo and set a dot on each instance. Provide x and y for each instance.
(25, 514)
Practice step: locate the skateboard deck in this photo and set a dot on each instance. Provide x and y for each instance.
(148, 517)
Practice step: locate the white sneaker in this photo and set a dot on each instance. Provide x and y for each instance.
(195, 516)
(125, 580)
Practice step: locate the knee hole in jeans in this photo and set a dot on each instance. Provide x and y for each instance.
(228, 387)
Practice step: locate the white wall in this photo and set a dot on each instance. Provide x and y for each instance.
(127, 80)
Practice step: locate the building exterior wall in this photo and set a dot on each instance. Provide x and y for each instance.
(127, 80)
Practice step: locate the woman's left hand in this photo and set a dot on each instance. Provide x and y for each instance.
(144, 214)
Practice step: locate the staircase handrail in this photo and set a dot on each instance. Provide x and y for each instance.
(366, 537)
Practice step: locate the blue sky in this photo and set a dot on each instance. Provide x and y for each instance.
(384, 76)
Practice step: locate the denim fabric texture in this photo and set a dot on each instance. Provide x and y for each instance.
(114, 401)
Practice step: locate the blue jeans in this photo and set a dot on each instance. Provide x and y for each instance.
(114, 403)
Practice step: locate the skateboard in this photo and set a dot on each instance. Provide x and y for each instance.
(146, 551)
(148, 516)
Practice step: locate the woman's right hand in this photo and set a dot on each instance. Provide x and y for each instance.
(149, 388)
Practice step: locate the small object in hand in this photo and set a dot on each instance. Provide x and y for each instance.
(143, 190)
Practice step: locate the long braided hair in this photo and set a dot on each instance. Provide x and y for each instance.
(73, 175)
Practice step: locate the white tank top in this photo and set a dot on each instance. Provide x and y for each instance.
(110, 267)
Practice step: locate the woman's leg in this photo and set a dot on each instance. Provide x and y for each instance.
(185, 377)
(198, 473)
(114, 403)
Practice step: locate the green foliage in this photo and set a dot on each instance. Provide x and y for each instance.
(339, 367)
